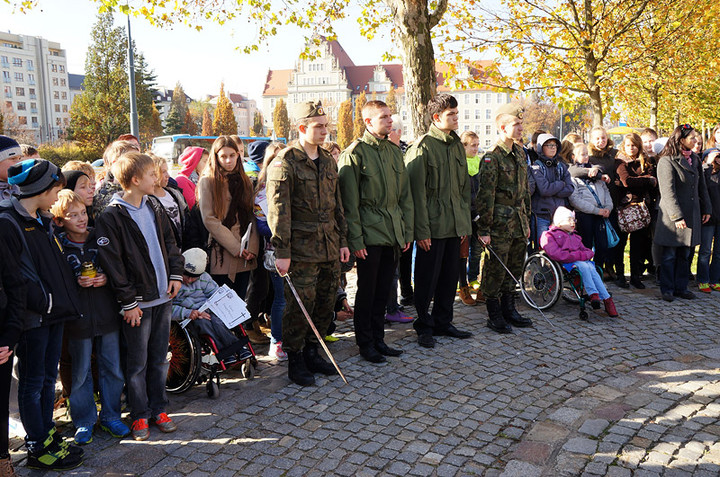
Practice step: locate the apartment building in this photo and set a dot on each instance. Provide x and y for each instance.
(332, 77)
(36, 89)
(244, 110)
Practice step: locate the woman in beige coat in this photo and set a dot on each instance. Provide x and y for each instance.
(225, 195)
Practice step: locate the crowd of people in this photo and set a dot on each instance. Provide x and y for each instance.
(95, 266)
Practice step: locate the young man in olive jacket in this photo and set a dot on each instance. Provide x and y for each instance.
(379, 213)
(440, 185)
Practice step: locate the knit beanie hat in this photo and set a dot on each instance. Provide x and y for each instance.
(562, 216)
(195, 262)
(34, 176)
(9, 147)
(72, 177)
(256, 151)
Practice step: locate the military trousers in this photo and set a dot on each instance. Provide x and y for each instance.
(436, 275)
(317, 285)
(375, 276)
(495, 280)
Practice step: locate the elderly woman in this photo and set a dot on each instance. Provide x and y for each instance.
(684, 206)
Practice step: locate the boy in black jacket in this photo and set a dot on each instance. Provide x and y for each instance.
(26, 231)
(144, 267)
(100, 326)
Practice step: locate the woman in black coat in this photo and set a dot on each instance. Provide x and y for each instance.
(684, 206)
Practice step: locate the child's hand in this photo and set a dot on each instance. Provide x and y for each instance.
(100, 280)
(194, 314)
(247, 255)
(606, 178)
(174, 288)
(132, 317)
(346, 306)
(85, 282)
(604, 213)
(204, 315)
(5, 354)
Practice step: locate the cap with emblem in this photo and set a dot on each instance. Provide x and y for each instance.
(308, 109)
(34, 176)
(513, 109)
(195, 262)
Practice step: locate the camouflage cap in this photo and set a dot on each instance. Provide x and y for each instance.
(308, 109)
(513, 109)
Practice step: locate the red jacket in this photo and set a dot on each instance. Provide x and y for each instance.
(564, 247)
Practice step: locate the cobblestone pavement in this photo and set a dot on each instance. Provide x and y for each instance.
(634, 396)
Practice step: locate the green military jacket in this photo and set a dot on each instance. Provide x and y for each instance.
(503, 198)
(305, 212)
(376, 194)
(440, 185)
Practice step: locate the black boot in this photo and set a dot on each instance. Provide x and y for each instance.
(507, 304)
(495, 321)
(315, 363)
(297, 372)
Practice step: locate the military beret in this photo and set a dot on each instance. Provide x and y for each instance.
(513, 109)
(308, 109)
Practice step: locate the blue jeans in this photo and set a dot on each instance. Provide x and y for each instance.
(277, 307)
(709, 271)
(82, 403)
(38, 352)
(674, 270)
(591, 280)
(541, 225)
(147, 364)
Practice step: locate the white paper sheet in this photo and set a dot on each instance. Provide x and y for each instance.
(228, 306)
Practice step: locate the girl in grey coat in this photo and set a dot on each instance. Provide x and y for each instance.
(684, 206)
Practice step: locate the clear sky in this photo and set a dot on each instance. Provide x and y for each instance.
(199, 60)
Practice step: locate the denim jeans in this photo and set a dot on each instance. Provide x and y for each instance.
(82, 403)
(591, 280)
(709, 271)
(541, 225)
(277, 308)
(147, 364)
(674, 270)
(38, 352)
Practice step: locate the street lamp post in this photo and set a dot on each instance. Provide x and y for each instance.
(134, 128)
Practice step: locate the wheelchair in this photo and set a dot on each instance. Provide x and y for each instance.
(195, 359)
(544, 281)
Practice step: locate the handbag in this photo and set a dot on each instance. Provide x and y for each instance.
(633, 217)
(610, 233)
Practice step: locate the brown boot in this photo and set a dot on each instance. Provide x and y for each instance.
(255, 336)
(6, 468)
(610, 308)
(466, 297)
(479, 297)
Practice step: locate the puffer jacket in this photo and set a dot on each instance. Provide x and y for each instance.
(564, 247)
(583, 200)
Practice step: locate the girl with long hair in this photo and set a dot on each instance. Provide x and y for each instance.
(225, 195)
(714, 139)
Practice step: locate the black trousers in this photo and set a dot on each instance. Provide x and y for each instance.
(405, 270)
(374, 279)
(5, 381)
(436, 273)
(640, 252)
(618, 252)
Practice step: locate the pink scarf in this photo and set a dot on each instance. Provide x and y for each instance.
(687, 155)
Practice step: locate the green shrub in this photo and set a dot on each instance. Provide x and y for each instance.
(61, 153)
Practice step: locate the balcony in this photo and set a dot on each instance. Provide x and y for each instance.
(33, 110)
(32, 82)
(30, 68)
(33, 96)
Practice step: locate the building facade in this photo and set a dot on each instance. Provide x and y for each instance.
(332, 78)
(36, 89)
(163, 100)
(244, 110)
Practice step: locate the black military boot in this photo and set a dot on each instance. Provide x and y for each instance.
(511, 315)
(315, 363)
(297, 372)
(495, 321)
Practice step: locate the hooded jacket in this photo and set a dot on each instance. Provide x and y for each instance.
(187, 177)
(564, 247)
(553, 184)
(12, 298)
(583, 200)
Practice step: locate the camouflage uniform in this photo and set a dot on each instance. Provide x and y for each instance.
(306, 218)
(503, 203)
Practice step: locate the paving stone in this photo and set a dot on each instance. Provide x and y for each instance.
(581, 445)
(593, 427)
(517, 468)
(565, 415)
(534, 452)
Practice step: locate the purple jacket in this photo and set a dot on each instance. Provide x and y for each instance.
(564, 247)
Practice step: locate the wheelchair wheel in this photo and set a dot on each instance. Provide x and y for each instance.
(541, 281)
(184, 358)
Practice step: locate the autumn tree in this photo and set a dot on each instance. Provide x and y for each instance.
(359, 124)
(224, 122)
(345, 124)
(257, 127)
(281, 121)
(191, 126)
(539, 114)
(207, 123)
(391, 100)
(176, 121)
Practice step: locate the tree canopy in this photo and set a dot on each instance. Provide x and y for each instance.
(224, 123)
(281, 121)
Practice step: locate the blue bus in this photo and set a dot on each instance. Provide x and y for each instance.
(171, 147)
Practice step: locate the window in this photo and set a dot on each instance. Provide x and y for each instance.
(467, 114)
(477, 98)
(31, 91)
(488, 98)
(58, 121)
(21, 106)
(4, 61)
(488, 130)
(53, 68)
(34, 122)
(62, 68)
(57, 108)
(17, 62)
(477, 129)
(31, 78)
(467, 98)
(466, 127)
(488, 143)
(8, 92)
(20, 91)
(64, 108)
(500, 98)
(272, 102)
(63, 95)
(488, 114)
(8, 105)
(477, 114)
(56, 95)
(30, 67)
(22, 120)
(63, 82)
(55, 81)
(19, 77)
(6, 76)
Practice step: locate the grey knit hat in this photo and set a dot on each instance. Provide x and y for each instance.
(9, 148)
(34, 176)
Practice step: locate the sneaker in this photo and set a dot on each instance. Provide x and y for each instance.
(244, 354)
(164, 423)
(6, 467)
(715, 286)
(56, 441)
(398, 317)
(276, 352)
(140, 430)
(466, 297)
(83, 435)
(331, 339)
(57, 460)
(704, 287)
(115, 428)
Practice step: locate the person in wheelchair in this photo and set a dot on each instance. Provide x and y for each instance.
(196, 289)
(562, 244)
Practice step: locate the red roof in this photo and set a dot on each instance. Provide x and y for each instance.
(276, 82)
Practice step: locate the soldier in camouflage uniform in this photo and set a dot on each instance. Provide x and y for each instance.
(306, 218)
(503, 202)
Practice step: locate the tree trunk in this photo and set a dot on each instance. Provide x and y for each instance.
(654, 94)
(591, 65)
(597, 107)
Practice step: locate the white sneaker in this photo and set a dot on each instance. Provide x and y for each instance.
(276, 352)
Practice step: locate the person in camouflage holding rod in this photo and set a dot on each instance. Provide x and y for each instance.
(503, 202)
(305, 215)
